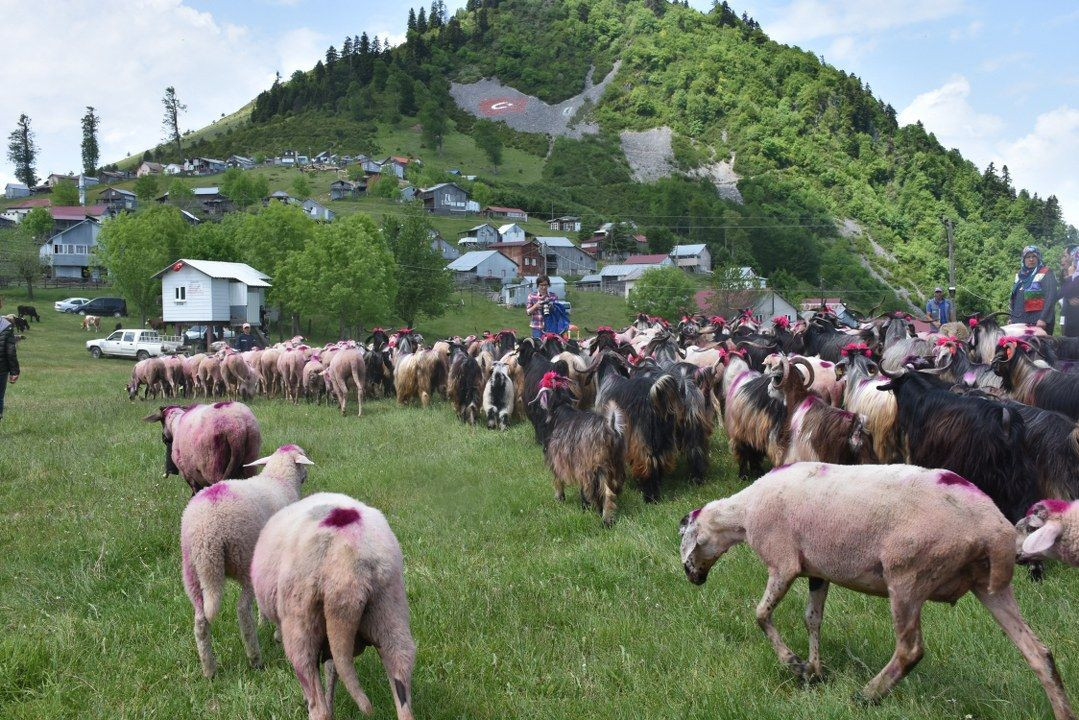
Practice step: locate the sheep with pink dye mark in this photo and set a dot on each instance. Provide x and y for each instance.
(205, 444)
(346, 371)
(290, 372)
(328, 572)
(218, 533)
(148, 373)
(896, 531)
(1050, 530)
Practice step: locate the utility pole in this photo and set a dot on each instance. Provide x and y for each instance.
(951, 266)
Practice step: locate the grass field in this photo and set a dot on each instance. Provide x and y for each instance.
(521, 607)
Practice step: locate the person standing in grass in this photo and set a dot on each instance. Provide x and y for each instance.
(539, 304)
(9, 359)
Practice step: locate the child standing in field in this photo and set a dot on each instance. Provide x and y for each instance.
(9, 359)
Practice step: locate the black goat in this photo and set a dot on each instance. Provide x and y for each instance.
(465, 384)
(694, 430)
(535, 365)
(980, 440)
(1028, 383)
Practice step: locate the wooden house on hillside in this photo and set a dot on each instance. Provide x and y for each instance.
(208, 292)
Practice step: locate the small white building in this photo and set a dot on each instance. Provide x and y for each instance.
(480, 264)
(512, 232)
(318, 211)
(209, 291)
(16, 190)
(692, 258)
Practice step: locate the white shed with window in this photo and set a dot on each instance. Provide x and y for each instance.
(209, 291)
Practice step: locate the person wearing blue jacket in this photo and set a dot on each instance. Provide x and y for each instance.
(1034, 292)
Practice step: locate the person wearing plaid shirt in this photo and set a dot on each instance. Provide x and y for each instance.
(535, 304)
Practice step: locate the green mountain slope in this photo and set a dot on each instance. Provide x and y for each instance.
(835, 194)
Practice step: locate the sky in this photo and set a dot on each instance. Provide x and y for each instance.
(999, 81)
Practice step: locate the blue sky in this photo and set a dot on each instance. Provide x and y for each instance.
(1000, 81)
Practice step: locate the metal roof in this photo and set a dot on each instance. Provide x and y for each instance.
(683, 250)
(216, 269)
(471, 260)
(555, 241)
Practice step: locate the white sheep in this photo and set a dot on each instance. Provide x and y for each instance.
(896, 531)
(218, 532)
(1050, 530)
(328, 571)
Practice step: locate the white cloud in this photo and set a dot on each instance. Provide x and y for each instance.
(803, 20)
(136, 51)
(300, 49)
(996, 63)
(1043, 161)
(971, 30)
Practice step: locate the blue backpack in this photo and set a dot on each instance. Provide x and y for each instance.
(557, 320)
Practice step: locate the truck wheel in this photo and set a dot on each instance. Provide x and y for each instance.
(95, 353)
(82, 312)
(142, 355)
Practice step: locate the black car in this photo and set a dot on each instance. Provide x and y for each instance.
(105, 306)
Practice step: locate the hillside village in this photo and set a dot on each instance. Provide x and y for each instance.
(500, 249)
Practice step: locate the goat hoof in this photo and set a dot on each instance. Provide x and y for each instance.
(799, 668)
(860, 698)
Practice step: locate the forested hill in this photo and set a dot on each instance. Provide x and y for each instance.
(834, 192)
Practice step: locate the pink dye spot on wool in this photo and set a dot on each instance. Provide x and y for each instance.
(215, 492)
(340, 517)
(825, 364)
(947, 477)
(693, 515)
(969, 377)
(1054, 506)
(219, 405)
(290, 448)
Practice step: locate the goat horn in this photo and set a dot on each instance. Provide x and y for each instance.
(808, 367)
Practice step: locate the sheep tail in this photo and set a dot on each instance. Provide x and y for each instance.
(204, 579)
(341, 634)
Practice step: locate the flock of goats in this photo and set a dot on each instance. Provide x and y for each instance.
(949, 457)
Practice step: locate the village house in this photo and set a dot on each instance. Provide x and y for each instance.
(117, 199)
(589, 283)
(66, 216)
(516, 294)
(394, 165)
(512, 232)
(207, 199)
(565, 258)
(318, 211)
(16, 190)
(409, 193)
(19, 210)
(55, 179)
(68, 253)
(479, 237)
(444, 199)
(110, 177)
(525, 255)
(344, 189)
(495, 211)
(148, 168)
(206, 292)
(764, 304)
(204, 166)
(440, 246)
(693, 258)
(280, 196)
(659, 260)
(568, 223)
(239, 161)
(173, 169)
(483, 265)
(369, 165)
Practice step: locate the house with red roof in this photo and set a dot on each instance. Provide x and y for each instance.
(658, 259)
(496, 211)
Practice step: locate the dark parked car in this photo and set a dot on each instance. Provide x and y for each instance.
(104, 307)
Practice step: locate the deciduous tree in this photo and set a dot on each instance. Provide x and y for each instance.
(423, 283)
(65, 193)
(146, 188)
(666, 292)
(171, 121)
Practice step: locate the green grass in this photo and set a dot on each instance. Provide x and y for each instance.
(521, 607)
(461, 152)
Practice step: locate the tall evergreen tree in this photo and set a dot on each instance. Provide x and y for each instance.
(411, 19)
(376, 49)
(421, 21)
(346, 47)
(171, 121)
(331, 55)
(365, 45)
(22, 151)
(90, 151)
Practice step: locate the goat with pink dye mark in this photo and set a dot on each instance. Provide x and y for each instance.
(205, 444)
(218, 533)
(1050, 530)
(898, 531)
(328, 571)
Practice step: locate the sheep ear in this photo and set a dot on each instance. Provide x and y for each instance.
(1042, 539)
(303, 460)
(260, 461)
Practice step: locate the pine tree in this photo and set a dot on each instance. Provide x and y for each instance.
(171, 121)
(90, 151)
(22, 151)
(346, 47)
(411, 20)
(421, 21)
(482, 25)
(365, 45)
(436, 15)
(331, 55)
(375, 49)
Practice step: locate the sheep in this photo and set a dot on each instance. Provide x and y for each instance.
(465, 384)
(268, 370)
(218, 532)
(205, 444)
(240, 378)
(581, 447)
(149, 373)
(498, 397)
(907, 533)
(290, 372)
(815, 430)
(314, 382)
(174, 375)
(1050, 530)
(346, 371)
(210, 375)
(328, 571)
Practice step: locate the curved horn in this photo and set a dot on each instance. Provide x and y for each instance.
(808, 367)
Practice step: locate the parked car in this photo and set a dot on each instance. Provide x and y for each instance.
(69, 305)
(138, 344)
(196, 333)
(104, 307)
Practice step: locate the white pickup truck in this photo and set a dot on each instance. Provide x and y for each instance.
(138, 344)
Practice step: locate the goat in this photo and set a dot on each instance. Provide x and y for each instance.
(498, 397)
(753, 418)
(1038, 386)
(581, 447)
(465, 384)
(861, 378)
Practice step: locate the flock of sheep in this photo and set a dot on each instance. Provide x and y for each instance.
(984, 418)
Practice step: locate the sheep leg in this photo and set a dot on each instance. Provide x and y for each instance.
(202, 641)
(818, 593)
(359, 399)
(779, 582)
(341, 626)
(1005, 611)
(303, 653)
(388, 621)
(329, 672)
(246, 618)
(907, 619)
(559, 488)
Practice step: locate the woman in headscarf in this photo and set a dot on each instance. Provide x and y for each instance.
(1034, 294)
(1069, 291)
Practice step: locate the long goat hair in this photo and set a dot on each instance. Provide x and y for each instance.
(1041, 387)
(581, 447)
(465, 385)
